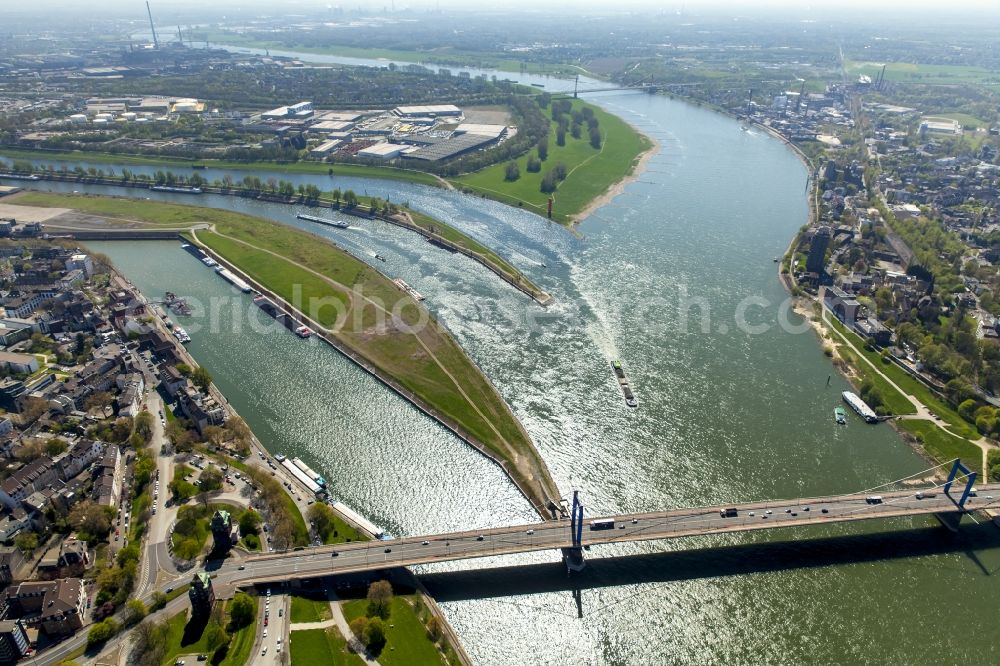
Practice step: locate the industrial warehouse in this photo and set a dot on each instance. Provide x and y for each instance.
(429, 133)
(420, 133)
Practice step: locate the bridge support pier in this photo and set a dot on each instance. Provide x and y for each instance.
(950, 520)
(573, 556)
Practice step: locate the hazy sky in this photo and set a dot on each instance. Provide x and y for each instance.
(956, 7)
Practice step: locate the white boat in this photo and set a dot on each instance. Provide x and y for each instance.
(860, 406)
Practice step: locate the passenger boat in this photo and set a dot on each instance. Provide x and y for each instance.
(859, 406)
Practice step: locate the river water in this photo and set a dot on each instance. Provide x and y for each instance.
(675, 278)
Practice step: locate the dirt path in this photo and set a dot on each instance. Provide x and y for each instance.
(444, 183)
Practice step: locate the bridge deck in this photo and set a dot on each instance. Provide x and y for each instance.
(349, 558)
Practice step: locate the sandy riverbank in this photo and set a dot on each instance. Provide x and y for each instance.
(617, 188)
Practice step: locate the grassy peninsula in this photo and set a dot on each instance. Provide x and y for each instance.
(590, 172)
(353, 304)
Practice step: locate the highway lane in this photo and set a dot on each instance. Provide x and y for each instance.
(368, 556)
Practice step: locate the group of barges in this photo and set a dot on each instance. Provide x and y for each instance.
(176, 304)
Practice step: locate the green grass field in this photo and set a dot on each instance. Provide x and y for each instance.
(298, 286)
(359, 170)
(342, 532)
(300, 533)
(305, 609)
(405, 634)
(944, 447)
(591, 171)
(240, 646)
(906, 72)
(963, 119)
(895, 401)
(312, 647)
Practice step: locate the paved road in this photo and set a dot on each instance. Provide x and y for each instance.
(157, 562)
(265, 648)
(550, 535)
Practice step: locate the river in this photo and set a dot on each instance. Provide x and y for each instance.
(725, 413)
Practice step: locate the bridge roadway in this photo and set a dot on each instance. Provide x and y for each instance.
(367, 556)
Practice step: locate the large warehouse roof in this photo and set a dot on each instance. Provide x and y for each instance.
(433, 110)
(454, 146)
(495, 131)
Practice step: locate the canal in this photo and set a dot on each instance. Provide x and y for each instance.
(675, 278)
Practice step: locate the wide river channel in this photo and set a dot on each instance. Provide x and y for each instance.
(675, 278)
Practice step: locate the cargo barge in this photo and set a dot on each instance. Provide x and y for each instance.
(232, 279)
(319, 480)
(322, 220)
(176, 189)
(413, 293)
(623, 384)
(283, 318)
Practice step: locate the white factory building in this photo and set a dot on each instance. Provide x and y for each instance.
(432, 111)
(325, 148)
(298, 111)
(382, 151)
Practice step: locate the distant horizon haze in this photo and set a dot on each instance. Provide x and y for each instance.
(827, 8)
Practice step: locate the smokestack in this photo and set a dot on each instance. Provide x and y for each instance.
(881, 76)
(149, 11)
